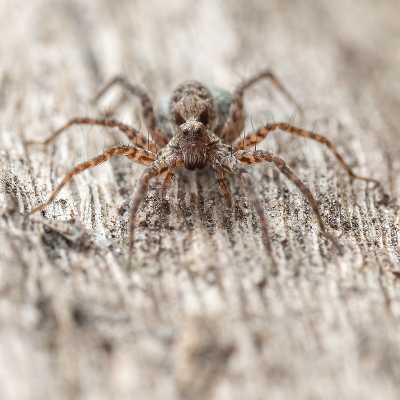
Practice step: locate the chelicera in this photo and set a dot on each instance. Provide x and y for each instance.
(204, 133)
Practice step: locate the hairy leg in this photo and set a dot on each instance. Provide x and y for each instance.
(219, 173)
(257, 136)
(157, 168)
(133, 135)
(133, 153)
(247, 157)
(231, 163)
(235, 123)
(173, 166)
(158, 135)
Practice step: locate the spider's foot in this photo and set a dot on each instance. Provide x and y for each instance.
(334, 241)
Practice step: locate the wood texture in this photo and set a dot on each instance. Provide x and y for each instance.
(201, 314)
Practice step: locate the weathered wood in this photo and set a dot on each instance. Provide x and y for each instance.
(201, 313)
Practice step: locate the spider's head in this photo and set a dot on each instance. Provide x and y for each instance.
(192, 140)
(192, 131)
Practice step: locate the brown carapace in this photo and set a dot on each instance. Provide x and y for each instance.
(199, 140)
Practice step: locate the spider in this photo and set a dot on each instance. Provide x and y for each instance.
(205, 132)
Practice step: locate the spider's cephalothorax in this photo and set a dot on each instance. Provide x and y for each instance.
(197, 142)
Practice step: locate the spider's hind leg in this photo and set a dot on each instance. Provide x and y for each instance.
(235, 123)
(158, 135)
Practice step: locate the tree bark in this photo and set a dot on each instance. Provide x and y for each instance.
(201, 313)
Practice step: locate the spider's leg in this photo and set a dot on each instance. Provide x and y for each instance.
(133, 135)
(168, 179)
(133, 153)
(257, 136)
(166, 183)
(113, 109)
(159, 136)
(230, 163)
(247, 157)
(235, 123)
(157, 168)
(219, 173)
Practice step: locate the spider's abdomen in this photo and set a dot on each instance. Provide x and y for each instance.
(193, 100)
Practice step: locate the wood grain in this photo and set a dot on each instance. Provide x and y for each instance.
(201, 314)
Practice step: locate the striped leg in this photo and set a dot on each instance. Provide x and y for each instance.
(231, 163)
(133, 135)
(257, 136)
(235, 123)
(135, 154)
(159, 167)
(247, 157)
(219, 173)
(159, 136)
(173, 166)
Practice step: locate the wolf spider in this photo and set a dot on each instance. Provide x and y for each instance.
(202, 136)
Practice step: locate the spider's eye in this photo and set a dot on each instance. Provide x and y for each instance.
(185, 131)
(197, 131)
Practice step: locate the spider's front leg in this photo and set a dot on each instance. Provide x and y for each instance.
(219, 173)
(133, 153)
(260, 134)
(247, 157)
(231, 164)
(169, 165)
(172, 168)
